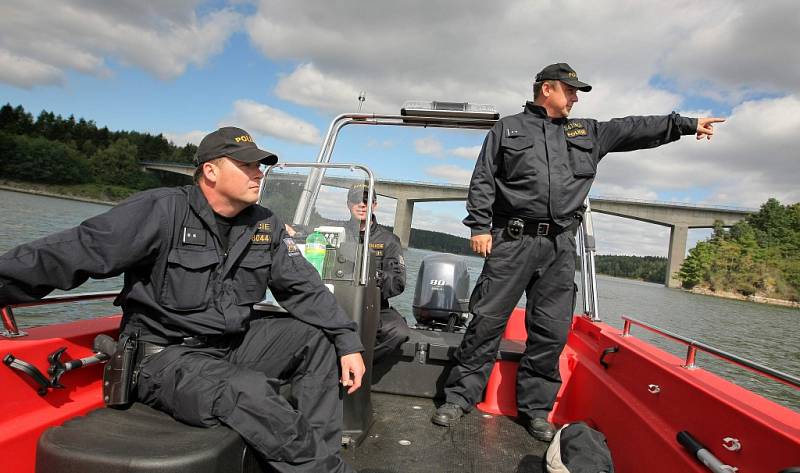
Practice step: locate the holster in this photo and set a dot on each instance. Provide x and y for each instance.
(118, 375)
(515, 227)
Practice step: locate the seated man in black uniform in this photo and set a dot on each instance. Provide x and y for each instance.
(386, 249)
(196, 259)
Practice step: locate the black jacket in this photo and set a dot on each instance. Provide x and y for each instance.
(178, 280)
(539, 168)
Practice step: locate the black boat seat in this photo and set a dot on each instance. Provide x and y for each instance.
(141, 439)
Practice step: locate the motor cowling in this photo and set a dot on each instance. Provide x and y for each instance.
(441, 296)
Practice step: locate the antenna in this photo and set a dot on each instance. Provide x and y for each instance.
(362, 96)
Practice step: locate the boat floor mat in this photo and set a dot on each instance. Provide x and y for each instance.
(403, 439)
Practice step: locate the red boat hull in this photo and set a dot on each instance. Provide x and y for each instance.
(640, 426)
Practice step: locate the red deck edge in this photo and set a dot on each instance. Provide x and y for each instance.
(640, 426)
(24, 414)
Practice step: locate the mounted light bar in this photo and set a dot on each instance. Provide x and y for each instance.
(421, 108)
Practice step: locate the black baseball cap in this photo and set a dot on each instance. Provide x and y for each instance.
(234, 143)
(358, 194)
(561, 71)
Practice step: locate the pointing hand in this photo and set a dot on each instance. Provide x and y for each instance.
(705, 127)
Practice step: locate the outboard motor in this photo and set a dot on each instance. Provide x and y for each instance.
(441, 296)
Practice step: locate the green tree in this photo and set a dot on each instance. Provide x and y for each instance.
(38, 159)
(15, 120)
(116, 164)
(760, 255)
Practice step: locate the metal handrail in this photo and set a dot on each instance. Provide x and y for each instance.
(10, 323)
(693, 346)
(585, 240)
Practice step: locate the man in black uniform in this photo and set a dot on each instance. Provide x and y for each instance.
(195, 260)
(386, 249)
(524, 205)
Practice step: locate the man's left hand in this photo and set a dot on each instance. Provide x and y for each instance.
(705, 127)
(352, 371)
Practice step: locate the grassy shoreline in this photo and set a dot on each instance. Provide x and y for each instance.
(740, 297)
(84, 193)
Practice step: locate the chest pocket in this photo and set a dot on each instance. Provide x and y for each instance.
(252, 276)
(517, 156)
(581, 159)
(187, 278)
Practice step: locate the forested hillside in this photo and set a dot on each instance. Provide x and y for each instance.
(645, 268)
(758, 256)
(93, 162)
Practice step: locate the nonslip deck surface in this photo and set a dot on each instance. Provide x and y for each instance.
(479, 443)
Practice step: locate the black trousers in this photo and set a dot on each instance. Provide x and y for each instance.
(237, 383)
(392, 331)
(544, 268)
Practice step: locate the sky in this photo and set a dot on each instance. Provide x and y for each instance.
(283, 69)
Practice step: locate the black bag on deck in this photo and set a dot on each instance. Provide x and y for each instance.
(577, 448)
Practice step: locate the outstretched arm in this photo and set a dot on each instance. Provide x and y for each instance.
(705, 127)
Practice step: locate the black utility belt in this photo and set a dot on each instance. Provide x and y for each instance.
(516, 227)
(196, 341)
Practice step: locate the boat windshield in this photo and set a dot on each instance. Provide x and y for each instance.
(324, 200)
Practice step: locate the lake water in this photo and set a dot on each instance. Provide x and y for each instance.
(765, 334)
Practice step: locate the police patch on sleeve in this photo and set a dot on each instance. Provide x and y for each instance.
(291, 247)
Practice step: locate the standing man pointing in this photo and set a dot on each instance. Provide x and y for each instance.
(524, 205)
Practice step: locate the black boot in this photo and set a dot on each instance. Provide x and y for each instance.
(540, 429)
(447, 414)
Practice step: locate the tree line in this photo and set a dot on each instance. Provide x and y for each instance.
(644, 268)
(758, 256)
(54, 150)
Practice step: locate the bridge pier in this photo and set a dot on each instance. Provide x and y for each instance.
(678, 234)
(404, 211)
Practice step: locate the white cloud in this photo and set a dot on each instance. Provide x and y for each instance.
(263, 119)
(25, 72)
(632, 191)
(419, 50)
(748, 47)
(438, 218)
(466, 152)
(44, 40)
(308, 86)
(621, 236)
(384, 144)
(450, 173)
(182, 139)
(428, 145)
(752, 157)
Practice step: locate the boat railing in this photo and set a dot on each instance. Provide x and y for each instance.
(690, 361)
(587, 249)
(9, 321)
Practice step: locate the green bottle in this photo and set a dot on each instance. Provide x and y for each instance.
(315, 250)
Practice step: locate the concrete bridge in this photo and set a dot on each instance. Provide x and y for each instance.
(678, 217)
